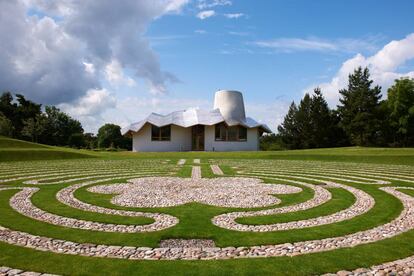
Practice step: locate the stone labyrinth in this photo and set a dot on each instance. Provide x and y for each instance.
(246, 197)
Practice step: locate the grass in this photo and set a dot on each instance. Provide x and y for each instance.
(195, 218)
(16, 150)
(45, 199)
(341, 199)
(310, 264)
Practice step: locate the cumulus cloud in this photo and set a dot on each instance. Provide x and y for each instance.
(91, 104)
(206, 14)
(56, 51)
(384, 66)
(90, 108)
(120, 36)
(233, 15)
(115, 75)
(38, 58)
(317, 44)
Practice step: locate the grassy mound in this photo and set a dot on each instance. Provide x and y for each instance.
(18, 150)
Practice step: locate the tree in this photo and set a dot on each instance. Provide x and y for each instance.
(312, 124)
(34, 127)
(321, 121)
(19, 111)
(76, 140)
(126, 143)
(109, 135)
(91, 141)
(304, 123)
(6, 126)
(288, 130)
(271, 142)
(401, 107)
(60, 127)
(8, 108)
(339, 137)
(359, 108)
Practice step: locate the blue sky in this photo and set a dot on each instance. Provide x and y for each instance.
(226, 56)
(165, 55)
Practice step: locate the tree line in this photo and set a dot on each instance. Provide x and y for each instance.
(24, 119)
(361, 118)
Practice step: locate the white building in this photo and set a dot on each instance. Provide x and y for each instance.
(225, 128)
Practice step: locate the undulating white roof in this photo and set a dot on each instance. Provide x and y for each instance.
(192, 117)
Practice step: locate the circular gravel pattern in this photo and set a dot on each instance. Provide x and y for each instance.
(404, 222)
(239, 192)
(246, 190)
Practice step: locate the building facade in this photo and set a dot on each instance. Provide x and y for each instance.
(225, 128)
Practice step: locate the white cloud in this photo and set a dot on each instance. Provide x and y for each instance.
(208, 4)
(90, 108)
(200, 31)
(115, 74)
(60, 50)
(39, 59)
(239, 33)
(55, 8)
(233, 15)
(91, 104)
(206, 14)
(296, 44)
(383, 66)
(272, 113)
(317, 44)
(175, 6)
(89, 67)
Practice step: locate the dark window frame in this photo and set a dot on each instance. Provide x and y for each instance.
(160, 131)
(224, 137)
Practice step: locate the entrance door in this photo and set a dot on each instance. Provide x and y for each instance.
(197, 138)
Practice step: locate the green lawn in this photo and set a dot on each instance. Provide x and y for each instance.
(195, 218)
(16, 150)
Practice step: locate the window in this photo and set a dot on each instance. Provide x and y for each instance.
(161, 133)
(242, 133)
(220, 132)
(230, 133)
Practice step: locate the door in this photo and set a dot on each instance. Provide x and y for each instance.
(197, 138)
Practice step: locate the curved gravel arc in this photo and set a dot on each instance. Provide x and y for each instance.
(364, 202)
(21, 203)
(403, 267)
(377, 172)
(357, 174)
(66, 196)
(69, 178)
(321, 178)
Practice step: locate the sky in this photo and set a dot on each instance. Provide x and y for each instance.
(117, 61)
